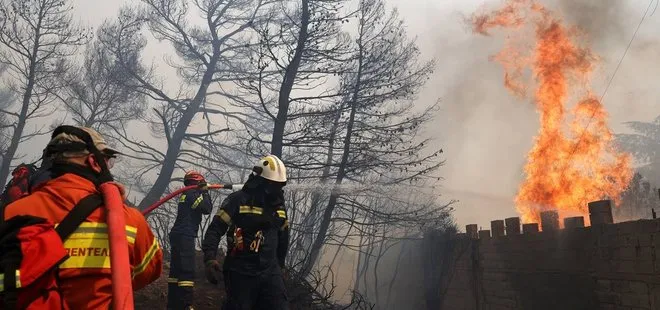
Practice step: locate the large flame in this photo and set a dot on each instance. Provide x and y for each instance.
(574, 159)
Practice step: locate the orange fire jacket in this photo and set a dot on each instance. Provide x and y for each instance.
(85, 277)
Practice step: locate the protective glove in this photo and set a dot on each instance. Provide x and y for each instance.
(203, 186)
(212, 269)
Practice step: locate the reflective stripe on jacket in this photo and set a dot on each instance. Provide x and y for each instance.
(85, 278)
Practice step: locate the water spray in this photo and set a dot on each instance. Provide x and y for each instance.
(297, 187)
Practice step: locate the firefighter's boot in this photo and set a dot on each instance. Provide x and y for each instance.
(173, 294)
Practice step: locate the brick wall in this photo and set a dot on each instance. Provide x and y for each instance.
(608, 266)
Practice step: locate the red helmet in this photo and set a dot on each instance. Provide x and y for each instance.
(193, 176)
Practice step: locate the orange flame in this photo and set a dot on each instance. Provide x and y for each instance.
(573, 160)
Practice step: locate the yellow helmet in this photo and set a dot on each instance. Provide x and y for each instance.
(271, 168)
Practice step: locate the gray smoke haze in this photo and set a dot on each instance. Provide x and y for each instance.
(485, 131)
(603, 21)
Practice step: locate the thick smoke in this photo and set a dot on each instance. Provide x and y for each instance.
(604, 22)
(486, 132)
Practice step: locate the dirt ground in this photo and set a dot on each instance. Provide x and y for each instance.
(207, 296)
(211, 297)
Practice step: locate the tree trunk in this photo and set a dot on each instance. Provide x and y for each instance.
(339, 248)
(381, 253)
(356, 284)
(394, 276)
(25, 105)
(287, 83)
(316, 199)
(365, 271)
(173, 148)
(332, 202)
(18, 132)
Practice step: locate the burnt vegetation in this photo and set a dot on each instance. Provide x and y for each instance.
(329, 86)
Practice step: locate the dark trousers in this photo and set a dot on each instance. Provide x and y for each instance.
(265, 292)
(182, 272)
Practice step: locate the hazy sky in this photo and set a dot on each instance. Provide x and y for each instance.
(484, 131)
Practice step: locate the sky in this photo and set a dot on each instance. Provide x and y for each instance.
(484, 131)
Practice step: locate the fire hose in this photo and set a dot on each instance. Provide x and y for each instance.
(183, 189)
(122, 283)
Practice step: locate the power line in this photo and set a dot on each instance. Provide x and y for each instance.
(616, 70)
(625, 52)
(655, 8)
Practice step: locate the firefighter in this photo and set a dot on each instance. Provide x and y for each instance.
(192, 204)
(42, 175)
(85, 277)
(25, 179)
(257, 229)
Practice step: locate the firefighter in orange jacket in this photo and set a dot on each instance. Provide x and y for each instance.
(85, 277)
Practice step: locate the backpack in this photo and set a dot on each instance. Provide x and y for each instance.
(19, 185)
(31, 249)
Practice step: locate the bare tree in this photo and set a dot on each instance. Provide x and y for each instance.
(644, 144)
(319, 46)
(403, 250)
(637, 201)
(37, 37)
(7, 98)
(377, 126)
(302, 47)
(209, 53)
(100, 94)
(302, 50)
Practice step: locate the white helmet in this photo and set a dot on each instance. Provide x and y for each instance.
(270, 168)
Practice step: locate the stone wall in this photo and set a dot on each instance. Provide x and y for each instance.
(606, 266)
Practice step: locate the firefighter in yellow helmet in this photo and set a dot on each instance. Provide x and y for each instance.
(255, 221)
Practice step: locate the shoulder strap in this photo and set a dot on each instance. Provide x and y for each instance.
(78, 214)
